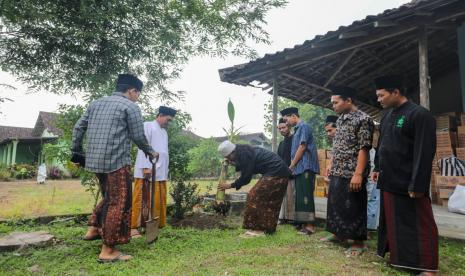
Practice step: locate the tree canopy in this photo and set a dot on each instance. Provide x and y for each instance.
(312, 114)
(205, 161)
(80, 46)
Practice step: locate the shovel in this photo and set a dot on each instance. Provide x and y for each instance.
(145, 202)
(151, 225)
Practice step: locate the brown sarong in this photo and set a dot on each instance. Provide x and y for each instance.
(112, 216)
(407, 231)
(263, 204)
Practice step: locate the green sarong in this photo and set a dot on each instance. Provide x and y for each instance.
(304, 200)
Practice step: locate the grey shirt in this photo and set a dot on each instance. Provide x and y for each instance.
(110, 123)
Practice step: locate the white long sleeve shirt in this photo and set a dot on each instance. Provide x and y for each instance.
(158, 139)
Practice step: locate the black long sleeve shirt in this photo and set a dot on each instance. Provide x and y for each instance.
(406, 149)
(284, 150)
(262, 162)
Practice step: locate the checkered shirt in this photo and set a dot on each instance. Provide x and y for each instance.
(110, 123)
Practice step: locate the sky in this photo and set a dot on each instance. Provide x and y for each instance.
(206, 96)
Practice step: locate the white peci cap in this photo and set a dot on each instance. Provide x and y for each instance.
(226, 148)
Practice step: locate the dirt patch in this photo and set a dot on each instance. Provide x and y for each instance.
(204, 221)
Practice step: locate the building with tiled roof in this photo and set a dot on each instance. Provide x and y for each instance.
(20, 145)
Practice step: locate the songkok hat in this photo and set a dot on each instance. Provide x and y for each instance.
(281, 121)
(131, 80)
(289, 111)
(226, 148)
(343, 91)
(167, 111)
(389, 82)
(331, 119)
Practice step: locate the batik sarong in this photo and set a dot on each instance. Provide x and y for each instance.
(112, 215)
(263, 204)
(346, 210)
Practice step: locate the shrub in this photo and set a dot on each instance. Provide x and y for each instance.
(90, 181)
(23, 171)
(5, 174)
(185, 197)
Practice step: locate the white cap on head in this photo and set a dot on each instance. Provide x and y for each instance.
(226, 148)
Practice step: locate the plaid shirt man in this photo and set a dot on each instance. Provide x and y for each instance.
(111, 123)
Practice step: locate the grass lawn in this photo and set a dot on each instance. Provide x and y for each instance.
(179, 251)
(208, 252)
(27, 199)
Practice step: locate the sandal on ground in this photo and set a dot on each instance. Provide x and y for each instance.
(119, 258)
(92, 238)
(331, 238)
(251, 234)
(306, 231)
(355, 251)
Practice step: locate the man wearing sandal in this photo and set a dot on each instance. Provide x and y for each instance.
(111, 123)
(304, 166)
(265, 198)
(157, 136)
(347, 196)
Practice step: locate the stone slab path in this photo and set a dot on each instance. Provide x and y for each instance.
(19, 240)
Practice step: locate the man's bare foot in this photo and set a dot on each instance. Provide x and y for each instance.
(112, 254)
(135, 234)
(92, 234)
(252, 234)
(311, 228)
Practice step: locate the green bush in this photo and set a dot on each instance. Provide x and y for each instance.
(23, 171)
(5, 173)
(185, 197)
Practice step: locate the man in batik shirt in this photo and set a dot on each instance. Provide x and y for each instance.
(347, 196)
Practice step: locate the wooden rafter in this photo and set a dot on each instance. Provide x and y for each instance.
(303, 80)
(340, 67)
(372, 56)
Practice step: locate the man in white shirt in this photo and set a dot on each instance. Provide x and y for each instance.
(157, 137)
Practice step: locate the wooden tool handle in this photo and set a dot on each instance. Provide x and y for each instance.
(154, 176)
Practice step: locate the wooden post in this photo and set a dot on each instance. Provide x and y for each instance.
(423, 67)
(274, 139)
